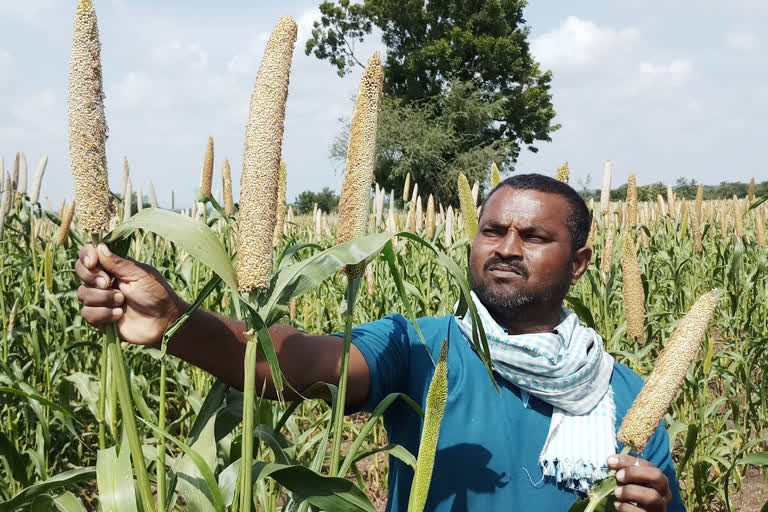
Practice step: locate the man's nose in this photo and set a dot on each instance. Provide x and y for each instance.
(510, 246)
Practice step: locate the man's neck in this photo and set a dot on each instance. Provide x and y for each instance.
(527, 321)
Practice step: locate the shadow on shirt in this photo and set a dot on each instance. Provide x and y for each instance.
(463, 468)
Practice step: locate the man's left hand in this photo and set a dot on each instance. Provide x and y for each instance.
(642, 486)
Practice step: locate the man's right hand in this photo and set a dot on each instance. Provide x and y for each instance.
(132, 294)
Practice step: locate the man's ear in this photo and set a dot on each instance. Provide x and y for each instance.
(581, 259)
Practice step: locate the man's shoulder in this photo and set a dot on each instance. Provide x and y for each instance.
(434, 325)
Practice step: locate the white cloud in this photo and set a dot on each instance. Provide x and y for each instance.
(742, 41)
(305, 21)
(578, 45)
(187, 55)
(132, 90)
(659, 76)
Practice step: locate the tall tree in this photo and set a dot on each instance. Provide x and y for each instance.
(435, 47)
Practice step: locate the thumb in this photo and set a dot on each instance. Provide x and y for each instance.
(115, 265)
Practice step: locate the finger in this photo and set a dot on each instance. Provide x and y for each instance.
(121, 268)
(642, 497)
(94, 278)
(99, 317)
(88, 256)
(648, 475)
(625, 506)
(100, 298)
(619, 461)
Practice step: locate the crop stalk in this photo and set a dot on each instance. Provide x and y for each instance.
(353, 285)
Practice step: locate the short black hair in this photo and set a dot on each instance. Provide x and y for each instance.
(578, 222)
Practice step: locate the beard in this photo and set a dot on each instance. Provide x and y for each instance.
(508, 302)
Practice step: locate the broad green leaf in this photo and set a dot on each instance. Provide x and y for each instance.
(27, 495)
(754, 459)
(325, 492)
(189, 234)
(114, 478)
(68, 502)
(297, 279)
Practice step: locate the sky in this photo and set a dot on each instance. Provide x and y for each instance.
(663, 89)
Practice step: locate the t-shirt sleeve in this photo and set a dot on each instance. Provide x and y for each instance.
(385, 347)
(657, 453)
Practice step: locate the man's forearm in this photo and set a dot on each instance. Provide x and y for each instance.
(214, 343)
(217, 345)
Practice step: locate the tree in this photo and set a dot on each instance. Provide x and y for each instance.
(686, 188)
(443, 55)
(433, 140)
(327, 200)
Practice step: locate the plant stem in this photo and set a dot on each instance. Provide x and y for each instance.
(129, 421)
(102, 419)
(161, 484)
(249, 395)
(353, 285)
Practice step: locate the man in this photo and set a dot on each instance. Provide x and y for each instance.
(543, 437)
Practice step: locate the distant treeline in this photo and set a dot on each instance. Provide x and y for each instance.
(684, 189)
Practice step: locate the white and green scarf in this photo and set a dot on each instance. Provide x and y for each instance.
(568, 369)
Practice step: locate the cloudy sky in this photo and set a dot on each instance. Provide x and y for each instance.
(661, 88)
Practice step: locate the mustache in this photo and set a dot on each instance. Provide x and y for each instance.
(513, 265)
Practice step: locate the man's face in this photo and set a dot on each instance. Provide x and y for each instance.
(521, 256)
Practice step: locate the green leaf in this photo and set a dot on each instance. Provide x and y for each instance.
(36, 398)
(479, 339)
(200, 463)
(212, 403)
(690, 446)
(600, 498)
(64, 479)
(325, 492)
(301, 277)
(17, 462)
(189, 234)
(372, 420)
(191, 483)
(68, 502)
(389, 255)
(754, 459)
(114, 478)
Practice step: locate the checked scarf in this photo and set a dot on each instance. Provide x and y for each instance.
(568, 369)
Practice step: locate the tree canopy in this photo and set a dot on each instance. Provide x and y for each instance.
(327, 200)
(458, 77)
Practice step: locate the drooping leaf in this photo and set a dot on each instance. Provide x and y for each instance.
(64, 479)
(189, 234)
(324, 492)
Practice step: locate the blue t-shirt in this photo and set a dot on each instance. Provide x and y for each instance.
(489, 444)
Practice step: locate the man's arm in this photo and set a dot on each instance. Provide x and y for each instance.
(137, 298)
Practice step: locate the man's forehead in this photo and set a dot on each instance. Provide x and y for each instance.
(509, 204)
